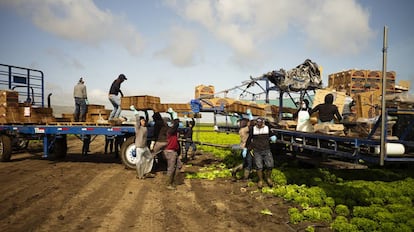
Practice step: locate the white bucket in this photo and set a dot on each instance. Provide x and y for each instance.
(392, 149)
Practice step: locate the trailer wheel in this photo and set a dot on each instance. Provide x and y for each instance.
(59, 149)
(5, 148)
(128, 153)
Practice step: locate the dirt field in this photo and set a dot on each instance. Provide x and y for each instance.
(96, 193)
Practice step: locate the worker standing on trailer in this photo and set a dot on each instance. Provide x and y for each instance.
(81, 101)
(258, 141)
(144, 159)
(327, 110)
(303, 117)
(114, 98)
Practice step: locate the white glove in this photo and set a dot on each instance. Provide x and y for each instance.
(86, 101)
(273, 139)
(152, 145)
(173, 113)
(132, 107)
(249, 114)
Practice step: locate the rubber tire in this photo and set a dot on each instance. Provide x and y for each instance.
(60, 148)
(127, 157)
(5, 148)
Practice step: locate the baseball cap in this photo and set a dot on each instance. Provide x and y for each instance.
(122, 76)
(259, 119)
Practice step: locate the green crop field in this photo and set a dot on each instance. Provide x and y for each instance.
(373, 199)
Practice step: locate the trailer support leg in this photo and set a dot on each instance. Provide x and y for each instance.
(45, 146)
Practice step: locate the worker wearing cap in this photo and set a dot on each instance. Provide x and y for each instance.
(81, 101)
(258, 141)
(114, 98)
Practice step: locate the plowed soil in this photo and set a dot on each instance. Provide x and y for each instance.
(96, 193)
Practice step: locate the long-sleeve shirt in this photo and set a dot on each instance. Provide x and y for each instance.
(79, 91)
(160, 131)
(140, 134)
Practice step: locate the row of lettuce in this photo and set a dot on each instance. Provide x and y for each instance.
(348, 200)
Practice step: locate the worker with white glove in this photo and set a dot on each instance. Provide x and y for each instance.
(259, 140)
(159, 139)
(172, 113)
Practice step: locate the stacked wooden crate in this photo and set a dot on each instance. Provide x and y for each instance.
(142, 102)
(241, 108)
(11, 111)
(97, 113)
(35, 115)
(357, 81)
(9, 106)
(204, 92)
(94, 114)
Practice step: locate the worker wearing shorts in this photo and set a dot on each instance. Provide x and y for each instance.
(258, 141)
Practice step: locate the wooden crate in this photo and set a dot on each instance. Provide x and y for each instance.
(68, 117)
(142, 102)
(9, 114)
(92, 107)
(35, 115)
(368, 103)
(204, 91)
(355, 81)
(9, 98)
(177, 107)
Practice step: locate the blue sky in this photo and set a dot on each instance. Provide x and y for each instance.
(167, 47)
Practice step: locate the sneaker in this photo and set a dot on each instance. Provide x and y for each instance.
(170, 187)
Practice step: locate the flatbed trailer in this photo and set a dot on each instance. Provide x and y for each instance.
(29, 83)
(54, 138)
(349, 148)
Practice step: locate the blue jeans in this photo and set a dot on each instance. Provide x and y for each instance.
(189, 144)
(80, 109)
(116, 102)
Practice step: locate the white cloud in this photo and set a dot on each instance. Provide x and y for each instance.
(183, 48)
(81, 20)
(65, 59)
(340, 27)
(333, 26)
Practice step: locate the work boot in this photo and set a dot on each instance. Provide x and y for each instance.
(260, 182)
(169, 182)
(192, 155)
(246, 174)
(185, 159)
(268, 178)
(235, 170)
